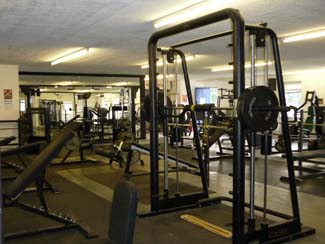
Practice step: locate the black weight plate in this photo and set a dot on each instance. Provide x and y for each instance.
(160, 106)
(253, 105)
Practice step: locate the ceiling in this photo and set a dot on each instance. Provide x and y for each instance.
(34, 32)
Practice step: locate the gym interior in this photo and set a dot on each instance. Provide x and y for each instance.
(162, 121)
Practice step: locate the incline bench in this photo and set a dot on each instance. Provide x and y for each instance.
(307, 156)
(35, 173)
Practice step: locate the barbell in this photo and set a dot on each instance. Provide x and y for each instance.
(257, 108)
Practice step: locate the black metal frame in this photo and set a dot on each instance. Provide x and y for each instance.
(65, 222)
(36, 146)
(47, 124)
(280, 232)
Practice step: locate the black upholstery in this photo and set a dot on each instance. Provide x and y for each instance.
(123, 213)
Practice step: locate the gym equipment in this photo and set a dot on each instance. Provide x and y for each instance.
(160, 106)
(121, 151)
(307, 156)
(258, 108)
(226, 94)
(34, 148)
(35, 172)
(5, 141)
(72, 145)
(123, 215)
(54, 109)
(34, 125)
(291, 227)
(300, 129)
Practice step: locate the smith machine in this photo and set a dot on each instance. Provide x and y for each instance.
(255, 111)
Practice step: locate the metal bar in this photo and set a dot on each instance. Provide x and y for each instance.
(132, 96)
(252, 140)
(238, 211)
(177, 135)
(164, 56)
(301, 138)
(266, 79)
(265, 177)
(8, 121)
(142, 120)
(284, 118)
(203, 172)
(206, 38)
(32, 73)
(154, 156)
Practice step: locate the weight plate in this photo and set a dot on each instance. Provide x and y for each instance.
(257, 108)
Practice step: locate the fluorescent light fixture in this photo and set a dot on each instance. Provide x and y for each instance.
(64, 83)
(306, 35)
(191, 12)
(248, 65)
(109, 87)
(120, 84)
(160, 63)
(304, 71)
(159, 77)
(71, 56)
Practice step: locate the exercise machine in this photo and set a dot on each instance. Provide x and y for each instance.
(256, 110)
(35, 173)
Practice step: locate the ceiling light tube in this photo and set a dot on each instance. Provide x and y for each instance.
(159, 77)
(160, 63)
(305, 71)
(71, 56)
(191, 12)
(304, 36)
(248, 65)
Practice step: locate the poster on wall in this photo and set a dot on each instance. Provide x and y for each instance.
(7, 96)
(184, 99)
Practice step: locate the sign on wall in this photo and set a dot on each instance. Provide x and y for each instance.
(7, 96)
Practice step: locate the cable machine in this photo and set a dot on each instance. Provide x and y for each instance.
(256, 110)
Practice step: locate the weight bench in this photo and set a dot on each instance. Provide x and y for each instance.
(146, 150)
(307, 156)
(35, 172)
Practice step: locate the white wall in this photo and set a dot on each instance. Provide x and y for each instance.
(9, 108)
(9, 80)
(311, 81)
